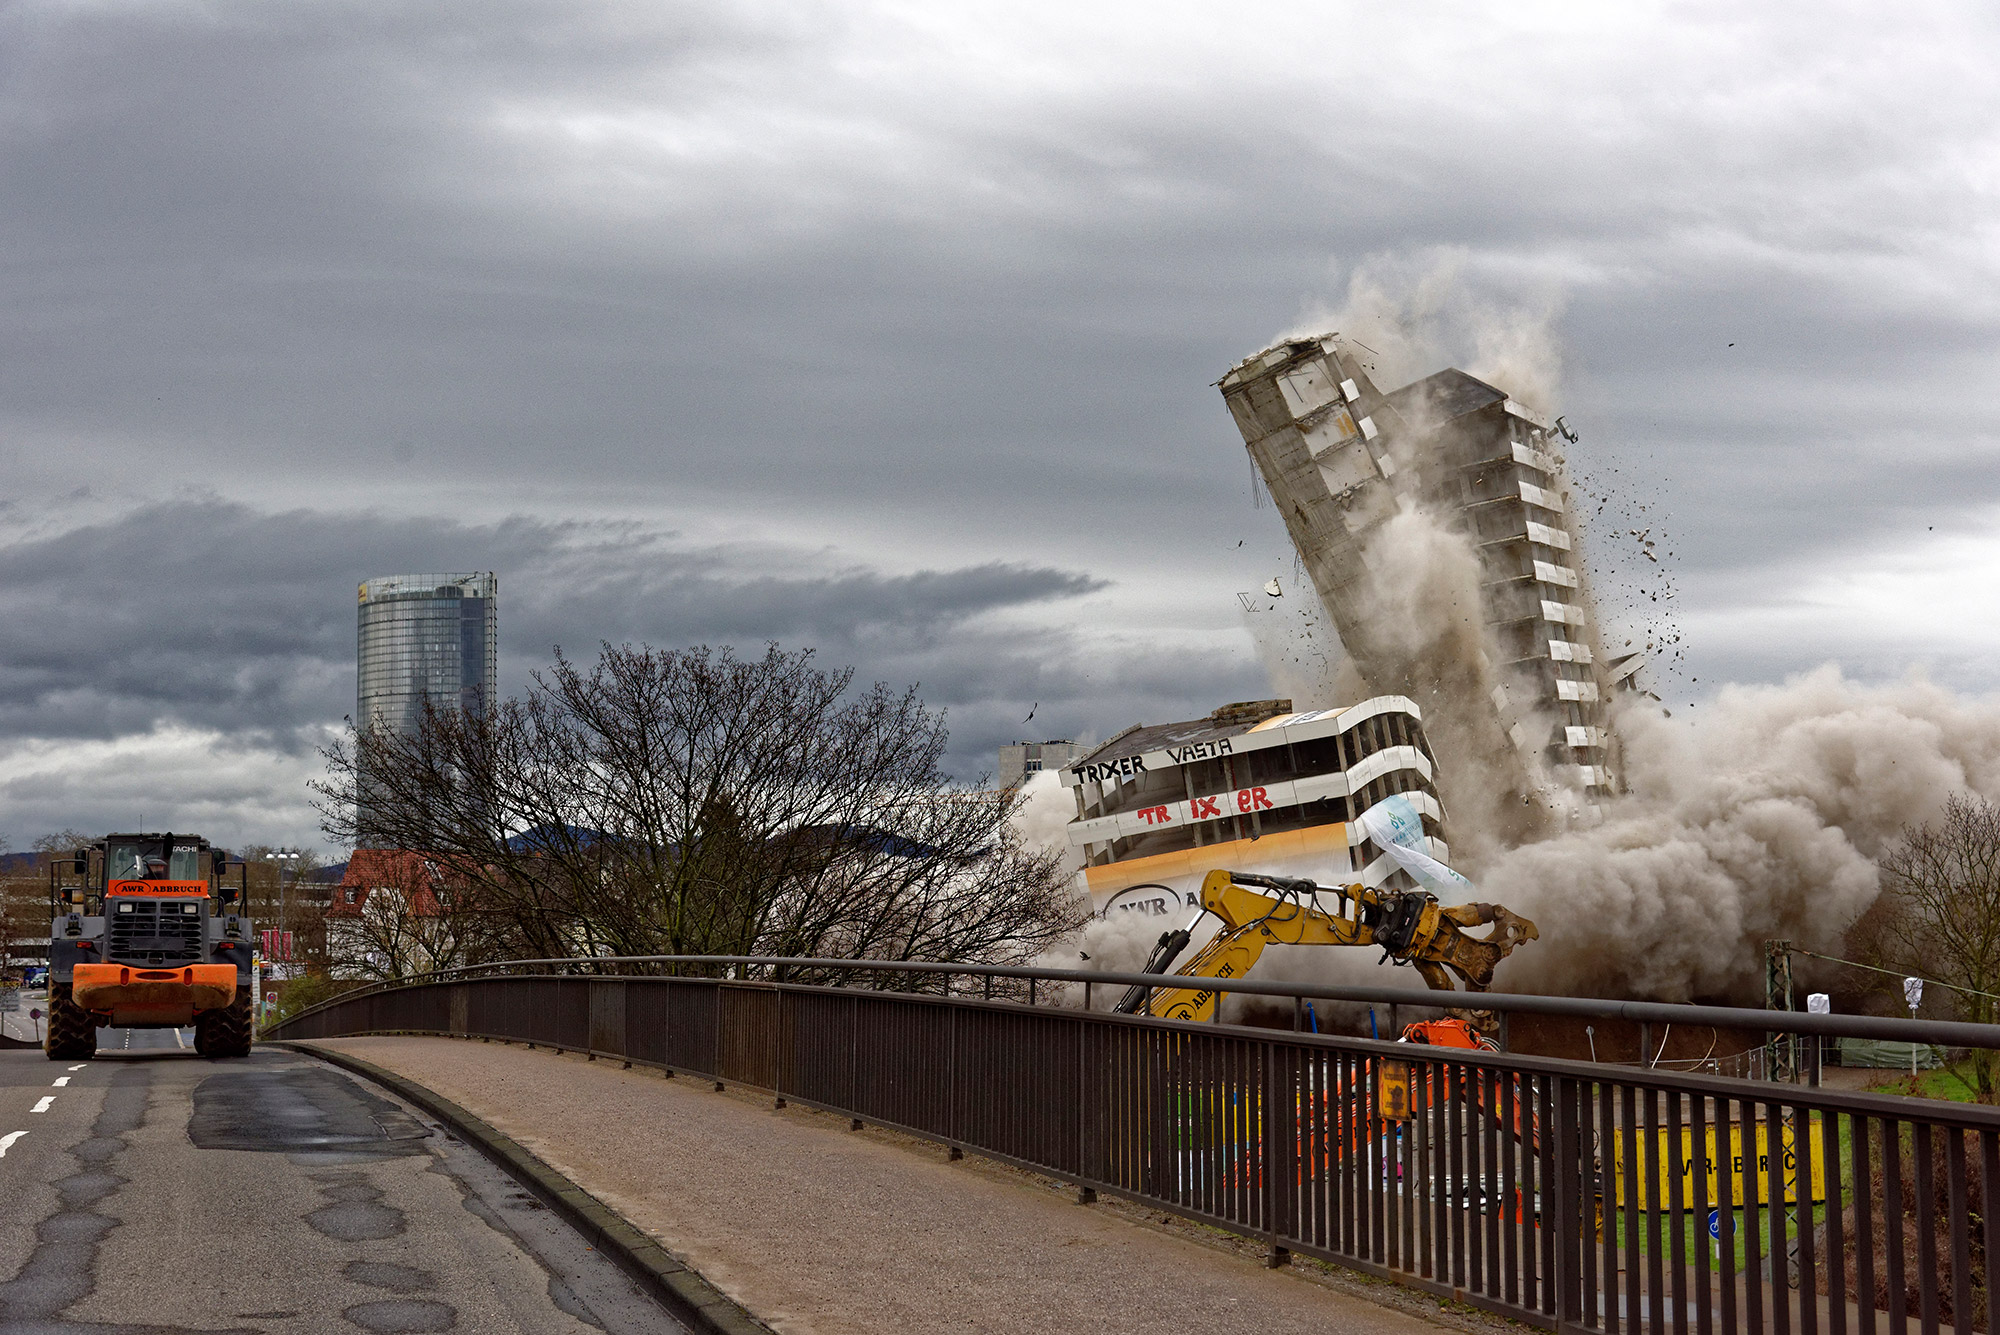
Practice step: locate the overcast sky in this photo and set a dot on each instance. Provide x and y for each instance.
(892, 330)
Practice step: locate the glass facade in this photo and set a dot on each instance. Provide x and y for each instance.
(422, 636)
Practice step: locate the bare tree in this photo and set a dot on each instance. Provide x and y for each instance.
(62, 843)
(696, 803)
(1943, 883)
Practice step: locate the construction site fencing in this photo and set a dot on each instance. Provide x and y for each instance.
(1570, 1195)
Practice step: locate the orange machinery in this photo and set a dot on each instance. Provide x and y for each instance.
(147, 935)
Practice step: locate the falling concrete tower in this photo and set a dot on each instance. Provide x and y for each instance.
(1514, 690)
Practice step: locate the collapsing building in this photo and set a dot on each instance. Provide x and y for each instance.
(1516, 703)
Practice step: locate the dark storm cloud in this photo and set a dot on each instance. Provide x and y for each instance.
(212, 615)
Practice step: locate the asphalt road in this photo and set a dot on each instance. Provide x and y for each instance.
(151, 1190)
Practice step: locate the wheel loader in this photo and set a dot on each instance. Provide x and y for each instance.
(147, 934)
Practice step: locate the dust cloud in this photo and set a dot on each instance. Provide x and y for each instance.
(1761, 819)
(1411, 315)
(1427, 639)
(1046, 808)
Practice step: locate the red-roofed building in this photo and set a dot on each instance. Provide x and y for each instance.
(388, 916)
(408, 874)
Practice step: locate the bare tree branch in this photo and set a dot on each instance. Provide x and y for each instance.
(1942, 882)
(693, 802)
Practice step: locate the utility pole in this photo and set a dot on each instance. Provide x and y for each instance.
(1780, 1050)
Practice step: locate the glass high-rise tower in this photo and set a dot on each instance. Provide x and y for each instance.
(426, 636)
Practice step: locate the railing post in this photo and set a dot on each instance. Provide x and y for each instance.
(717, 1072)
(1572, 1226)
(1085, 1194)
(854, 1050)
(1272, 1162)
(779, 1048)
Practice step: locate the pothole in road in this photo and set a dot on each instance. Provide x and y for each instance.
(356, 1212)
(402, 1316)
(299, 1111)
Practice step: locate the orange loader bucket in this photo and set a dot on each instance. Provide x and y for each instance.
(152, 996)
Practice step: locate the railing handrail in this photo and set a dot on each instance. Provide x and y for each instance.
(1941, 1033)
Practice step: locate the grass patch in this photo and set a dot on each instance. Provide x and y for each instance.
(1948, 1084)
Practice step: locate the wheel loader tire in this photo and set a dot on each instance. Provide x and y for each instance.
(72, 1033)
(225, 1032)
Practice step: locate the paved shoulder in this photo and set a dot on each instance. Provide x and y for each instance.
(816, 1229)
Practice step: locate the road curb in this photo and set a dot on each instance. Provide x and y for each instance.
(698, 1304)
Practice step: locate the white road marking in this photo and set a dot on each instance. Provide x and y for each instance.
(79, 1067)
(61, 1080)
(43, 1105)
(178, 1042)
(7, 1141)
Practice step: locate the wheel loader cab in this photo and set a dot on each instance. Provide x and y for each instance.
(156, 859)
(164, 947)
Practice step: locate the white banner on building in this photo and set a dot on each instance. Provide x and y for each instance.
(1397, 828)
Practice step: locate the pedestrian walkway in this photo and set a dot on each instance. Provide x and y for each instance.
(820, 1230)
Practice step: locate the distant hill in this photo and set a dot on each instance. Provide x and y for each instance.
(30, 864)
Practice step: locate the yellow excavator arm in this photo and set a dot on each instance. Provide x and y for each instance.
(1410, 926)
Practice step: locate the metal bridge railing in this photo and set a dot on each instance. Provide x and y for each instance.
(1570, 1195)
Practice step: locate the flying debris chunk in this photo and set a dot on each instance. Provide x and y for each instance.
(1271, 587)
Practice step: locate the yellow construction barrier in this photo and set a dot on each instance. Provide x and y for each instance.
(1723, 1166)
